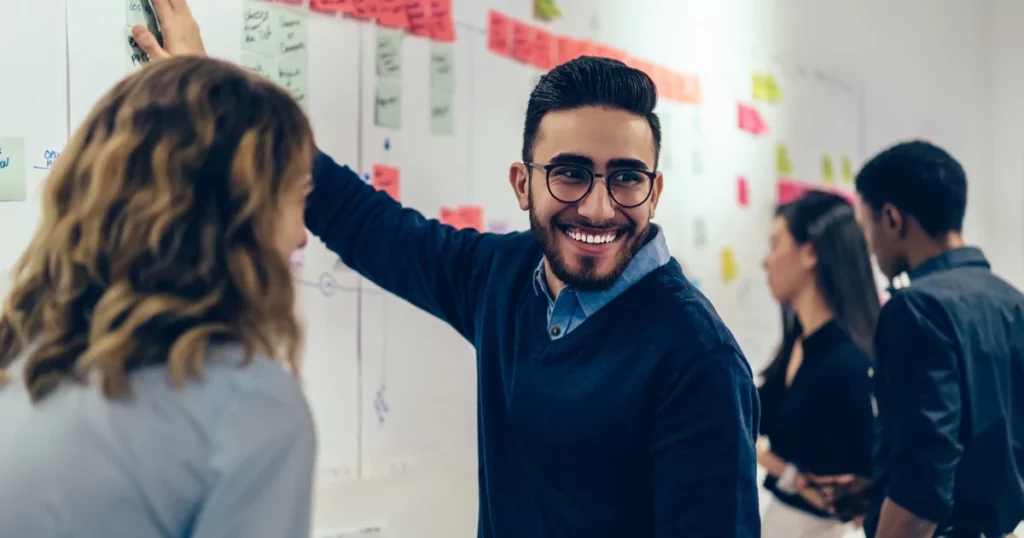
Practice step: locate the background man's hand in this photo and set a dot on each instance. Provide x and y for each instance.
(179, 28)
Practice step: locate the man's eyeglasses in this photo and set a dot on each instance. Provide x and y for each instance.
(570, 183)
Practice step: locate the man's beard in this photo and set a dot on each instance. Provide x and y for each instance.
(586, 277)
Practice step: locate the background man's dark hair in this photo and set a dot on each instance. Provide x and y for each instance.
(921, 180)
(590, 81)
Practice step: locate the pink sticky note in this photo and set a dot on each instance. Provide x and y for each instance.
(386, 178)
(522, 41)
(332, 6)
(690, 91)
(391, 14)
(568, 49)
(749, 120)
(472, 216)
(418, 13)
(498, 29)
(787, 191)
(364, 9)
(742, 192)
(543, 53)
(442, 25)
(450, 216)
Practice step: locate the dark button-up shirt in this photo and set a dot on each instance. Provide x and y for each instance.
(950, 388)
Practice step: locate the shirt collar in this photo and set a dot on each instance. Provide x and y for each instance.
(652, 255)
(950, 259)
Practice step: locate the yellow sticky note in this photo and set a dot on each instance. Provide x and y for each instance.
(772, 91)
(730, 270)
(546, 10)
(847, 169)
(757, 87)
(783, 166)
(828, 171)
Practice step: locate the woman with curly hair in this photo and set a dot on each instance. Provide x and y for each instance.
(149, 339)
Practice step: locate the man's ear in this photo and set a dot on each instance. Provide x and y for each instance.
(894, 220)
(656, 192)
(519, 178)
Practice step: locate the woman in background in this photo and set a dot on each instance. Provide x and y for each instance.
(816, 395)
(150, 336)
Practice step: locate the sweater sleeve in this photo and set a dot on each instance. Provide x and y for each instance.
(702, 447)
(433, 266)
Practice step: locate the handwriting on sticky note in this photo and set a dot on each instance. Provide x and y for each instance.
(442, 25)
(293, 54)
(364, 9)
(472, 216)
(783, 165)
(389, 53)
(387, 179)
(136, 57)
(522, 42)
(749, 120)
(742, 192)
(442, 113)
(13, 170)
(730, 269)
(259, 28)
(498, 28)
(141, 12)
(392, 14)
(418, 12)
(847, 169)
(388, 107)
(332, 6)
(828, 171)
(543, 52)
(442, 66)
(261, 65)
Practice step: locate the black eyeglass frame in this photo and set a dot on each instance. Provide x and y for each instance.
(547, 168)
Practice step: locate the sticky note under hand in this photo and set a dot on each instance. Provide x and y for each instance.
(498, 29)
(522, 42)
(730, 269)
(13, 170)
(387, 179)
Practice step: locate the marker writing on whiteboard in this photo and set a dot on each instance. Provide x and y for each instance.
(49, 157)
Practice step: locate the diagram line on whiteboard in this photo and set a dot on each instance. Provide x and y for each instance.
(360, 119)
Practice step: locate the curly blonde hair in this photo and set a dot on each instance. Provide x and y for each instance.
(157, 235)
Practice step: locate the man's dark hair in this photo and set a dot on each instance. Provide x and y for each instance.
(921, 180)
(590, 81)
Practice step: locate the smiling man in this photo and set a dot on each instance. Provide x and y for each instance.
(612, 400)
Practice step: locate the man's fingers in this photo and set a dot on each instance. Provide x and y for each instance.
(148, 43)
(163, 9)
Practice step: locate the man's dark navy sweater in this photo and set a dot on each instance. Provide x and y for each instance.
(641, 422)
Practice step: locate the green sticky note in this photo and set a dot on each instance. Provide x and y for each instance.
(259, 28)
(388, 107)
(13, 169)
(389, 53)
(293, 54)
(135, 57)
(442, 66)
(261, 65)
(442, 113)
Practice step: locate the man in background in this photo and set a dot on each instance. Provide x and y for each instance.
(949, 360)
(612, 400)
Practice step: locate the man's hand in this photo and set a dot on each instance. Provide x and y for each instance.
(179, 29)
(835, 487)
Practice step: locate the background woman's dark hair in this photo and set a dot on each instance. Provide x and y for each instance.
(844, 275)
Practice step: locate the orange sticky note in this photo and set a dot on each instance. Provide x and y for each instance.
(616, 54)
(386, 178)
(391, 14)
(418, 13)
(543, 55)
(498, 27)
(332, 6)
(660, 77)
(568, 49)
(522, 41)
(472, 216)
(364, 9)
(588, 48)
(691, 90)
(442, 25)
(450, 217)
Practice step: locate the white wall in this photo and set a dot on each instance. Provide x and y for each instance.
(927, 68)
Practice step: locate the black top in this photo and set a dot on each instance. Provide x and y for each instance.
(641, 422)
(823, 423)
(950, 389)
